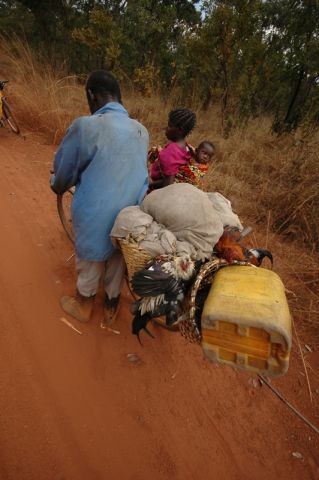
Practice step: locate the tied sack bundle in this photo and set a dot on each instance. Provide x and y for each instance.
(192, 215)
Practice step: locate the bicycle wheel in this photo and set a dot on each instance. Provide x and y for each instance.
(64, 210)
(9, 117)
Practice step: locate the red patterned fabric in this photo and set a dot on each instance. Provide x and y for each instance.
(189, 172)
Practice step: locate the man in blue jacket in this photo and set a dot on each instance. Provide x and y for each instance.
(104, 156)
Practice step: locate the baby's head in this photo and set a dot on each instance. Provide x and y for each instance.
(204, 152)
(180, 123)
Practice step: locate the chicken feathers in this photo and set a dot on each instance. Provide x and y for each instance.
(161, 286)
(230, 248)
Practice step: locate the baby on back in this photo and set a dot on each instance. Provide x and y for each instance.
(190, 171)
(196, 169)
(178, 161)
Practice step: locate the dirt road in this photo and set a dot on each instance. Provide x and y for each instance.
(74, 407)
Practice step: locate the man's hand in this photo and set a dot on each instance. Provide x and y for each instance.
(52, 180)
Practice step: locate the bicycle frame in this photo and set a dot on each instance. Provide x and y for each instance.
(1, 97)
(6, 115)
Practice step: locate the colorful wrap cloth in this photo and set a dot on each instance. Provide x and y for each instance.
(173, 160)
(191, 173)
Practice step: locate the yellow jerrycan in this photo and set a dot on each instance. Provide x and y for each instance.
(246, 321)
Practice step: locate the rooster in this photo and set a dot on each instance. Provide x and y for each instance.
(161, 286)
(230, 248)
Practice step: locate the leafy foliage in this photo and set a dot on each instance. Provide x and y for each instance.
(248, 56)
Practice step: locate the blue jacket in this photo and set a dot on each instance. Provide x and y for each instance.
(104, 156)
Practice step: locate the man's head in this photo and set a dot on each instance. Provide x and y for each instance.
(101, 88)
(204, 152)
(180, 123)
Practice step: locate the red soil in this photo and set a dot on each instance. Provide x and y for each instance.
(74, 407)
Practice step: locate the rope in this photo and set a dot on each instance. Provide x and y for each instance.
(282, 398)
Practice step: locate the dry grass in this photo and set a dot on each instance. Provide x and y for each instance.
(299, 270)
(272, 182)
(44, 100)
(272, 179)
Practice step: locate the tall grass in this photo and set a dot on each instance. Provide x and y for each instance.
(44, 100)
(268, 178)
(271, 181)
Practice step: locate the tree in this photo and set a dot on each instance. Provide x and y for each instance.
(250, 56)
(293, 46)
(101, 37)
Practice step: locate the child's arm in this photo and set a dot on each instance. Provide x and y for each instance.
(163, 182)
(168, 180)
(155, 184)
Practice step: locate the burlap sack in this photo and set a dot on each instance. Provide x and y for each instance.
(223, 208)
(188, 213)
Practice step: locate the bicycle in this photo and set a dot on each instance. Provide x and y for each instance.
(64, 203)
(6, 115)
(64, 210)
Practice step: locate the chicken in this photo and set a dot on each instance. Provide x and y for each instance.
(161, 286)
(230, 248)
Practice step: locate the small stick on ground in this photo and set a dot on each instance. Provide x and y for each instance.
(303, 360)
(310, 367)
(70, 257)
(282, 398)
(69, 324)
(117, 332)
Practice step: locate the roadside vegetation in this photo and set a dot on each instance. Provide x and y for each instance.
(250, 71)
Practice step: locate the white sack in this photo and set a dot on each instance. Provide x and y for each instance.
(223, 208)
(188, 213)
(131, 221)
(158, 241)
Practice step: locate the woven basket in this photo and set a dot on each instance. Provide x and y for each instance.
(135, 257)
